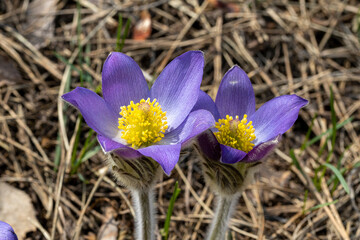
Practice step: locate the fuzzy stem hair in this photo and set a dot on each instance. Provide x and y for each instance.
(143, 201)
(224, 209)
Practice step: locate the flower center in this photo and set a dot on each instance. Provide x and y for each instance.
(143, 123)
(235, 133)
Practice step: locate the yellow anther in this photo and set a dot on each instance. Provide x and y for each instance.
(143, 123)
(235, 133)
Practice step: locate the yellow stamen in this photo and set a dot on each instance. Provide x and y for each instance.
(235, 133)
(144, 123)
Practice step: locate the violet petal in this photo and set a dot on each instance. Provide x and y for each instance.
(231, 155)
(205, 102)
(276, 116)
(261, 151)
(197, 122)
(95, 111)
(166, 155)
(127, 153)
(177, 87)
(235, 96)
(109, 145)
(122, 81)
(208, 146)
(7, 232)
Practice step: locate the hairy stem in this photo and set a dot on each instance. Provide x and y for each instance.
(224, 209)
(143, 200)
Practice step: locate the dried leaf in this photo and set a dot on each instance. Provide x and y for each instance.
(109, 228)
(227, 6)
(47, 142)
(275, 178)
(39, 25)
(142, 29)
(8, 71)
(90, 236)
(17, 210)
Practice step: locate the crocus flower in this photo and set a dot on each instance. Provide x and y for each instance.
(242, 134)
(137, 125)
(7, 232)
(134, 121)
(240, 139)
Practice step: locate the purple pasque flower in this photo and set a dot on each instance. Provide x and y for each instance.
(7, 232)
(241, 133)
(134, 121)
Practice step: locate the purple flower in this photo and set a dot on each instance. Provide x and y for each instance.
(7, 232)
(133, 120)
(241, 133)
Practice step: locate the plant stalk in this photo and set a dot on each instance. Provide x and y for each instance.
(143, 200)
(224, 210)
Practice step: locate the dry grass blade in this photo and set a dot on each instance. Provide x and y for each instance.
(39, 24)
(286, 47)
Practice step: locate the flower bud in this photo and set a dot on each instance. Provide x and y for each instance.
(134, 172)
(228, 179)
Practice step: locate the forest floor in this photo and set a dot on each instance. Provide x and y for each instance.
(54, 183)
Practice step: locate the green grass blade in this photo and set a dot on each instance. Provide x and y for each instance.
(307, 136)
(330, 131)
(322, 205)
(90, 153)
(335, 180)
(339, 176)
(123, 37)
(165, 230)
(118, 33)
(342, 170)
(87, 76)
(82, 178)
(305, 200)
(84, 151)
(316, 179)
(295, 161)
(333, 134)
(120, 38)
(76, 143)
(333, 119)
(64, 60)
(87, 143)
(322, 149)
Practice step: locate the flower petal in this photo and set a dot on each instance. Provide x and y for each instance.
(205, 102)
(197, 122)
(109, 145)
(122, 150)
(7, 232)
(261, 151)
(231, 155)
(236, 94)
(166, 155)
(128, 153)
(208, 146)
(122, 81)
(177, 87)
(276, 117)
(95, 111)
